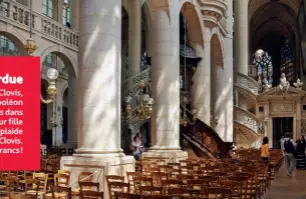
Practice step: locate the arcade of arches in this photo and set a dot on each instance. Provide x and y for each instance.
(209, 82)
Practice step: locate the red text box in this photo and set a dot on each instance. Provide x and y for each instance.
(19, 113)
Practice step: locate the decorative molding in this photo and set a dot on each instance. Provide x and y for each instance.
(213, 10)
(247, 83)
(245, 118)
(282, 108)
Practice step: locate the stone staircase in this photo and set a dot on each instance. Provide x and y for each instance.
(245, 120)
(201, 138)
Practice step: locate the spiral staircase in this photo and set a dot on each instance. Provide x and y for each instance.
(200, 137)
(246, 123)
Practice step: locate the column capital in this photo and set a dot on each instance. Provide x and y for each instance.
(213, 11)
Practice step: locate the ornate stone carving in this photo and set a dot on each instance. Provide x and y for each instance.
(266, 86)
(213, 10)
(261, 128)
(246, 118)
(283, 108)
(284, 84)
(298, 84)
(247, 83)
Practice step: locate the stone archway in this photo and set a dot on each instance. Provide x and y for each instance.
(17, 40)
(217, 73)
(221, 91)
(272, 24)
(65, 57)
(46, 112)
(67, 66)
(200, 80)
(193, 22)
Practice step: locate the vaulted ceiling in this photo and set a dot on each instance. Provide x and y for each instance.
(270, 16)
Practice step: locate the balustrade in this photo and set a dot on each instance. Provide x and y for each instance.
(17, 13)
(132, 84)
(245, 118)
(247, 83)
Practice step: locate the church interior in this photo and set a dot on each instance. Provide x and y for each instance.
(162, 98)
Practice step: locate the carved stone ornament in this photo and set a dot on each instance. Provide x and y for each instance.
(284, 84)
(281, 108)
(298, 84)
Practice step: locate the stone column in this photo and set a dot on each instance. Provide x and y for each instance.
(134, 7)
(58, 113)
(165, 71)
(241, 45)
(227, 112)
(100, 83)
(99, 95)
(72, 112)
(298, 118)
(75, 14)
(202, 78)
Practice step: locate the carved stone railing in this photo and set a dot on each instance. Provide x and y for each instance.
(19, 15)
(246, 118)
(247, 83)
(132, 84)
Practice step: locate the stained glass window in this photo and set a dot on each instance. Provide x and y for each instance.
(263, 62)
(286, 64)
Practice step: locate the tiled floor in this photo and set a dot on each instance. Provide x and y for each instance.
(284, 187)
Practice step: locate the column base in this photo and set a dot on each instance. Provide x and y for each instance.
(100, 165)
(171, 154)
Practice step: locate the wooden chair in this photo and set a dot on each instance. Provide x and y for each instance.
(92, 186)
(82, 177)
(58, 192)
(88, 194)
(216, 192)
(142, 181)
(156, 197)
(19, 196)
(61, 179)
(32, 186)
(42, 188)
(167, 184)
(150, 190)
(158, 177)
(130, 177)
(119, 195)
(117, 187)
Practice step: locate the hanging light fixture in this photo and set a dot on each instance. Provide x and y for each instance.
(184, 119)
(30, 45)
(144, 110)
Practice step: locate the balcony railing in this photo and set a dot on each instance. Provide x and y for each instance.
(245, 118)
(16, 13)
(247, 83)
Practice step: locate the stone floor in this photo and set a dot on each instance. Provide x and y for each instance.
(284, 187)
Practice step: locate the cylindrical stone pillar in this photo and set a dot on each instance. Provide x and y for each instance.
(75, 14)
(201, 86)
(72, 122)
(165, 82)
(99, 109)
(134, 7)
(241, 45)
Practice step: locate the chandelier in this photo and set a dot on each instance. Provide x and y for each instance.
(144, 110)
